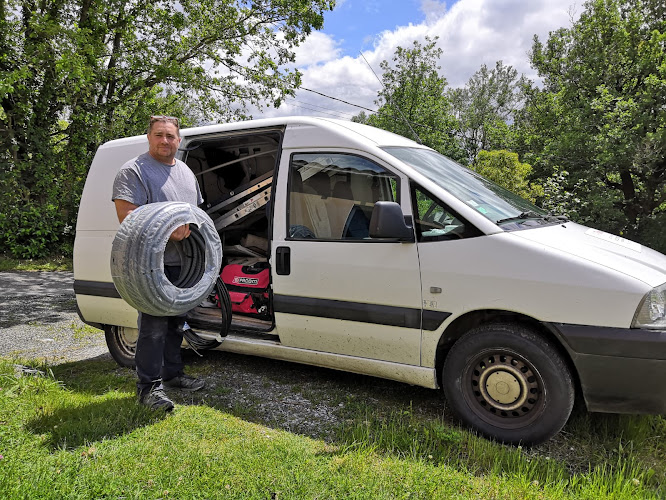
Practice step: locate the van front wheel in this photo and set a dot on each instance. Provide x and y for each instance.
(508, 383)
(121, 342)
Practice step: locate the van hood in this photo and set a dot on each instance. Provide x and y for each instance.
(621, 255)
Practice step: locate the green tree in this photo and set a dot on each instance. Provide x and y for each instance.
(485, 108)
(601, 114)
(413, 102)
(74, 74)
(504, 168)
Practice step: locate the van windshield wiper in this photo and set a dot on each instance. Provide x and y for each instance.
(556, 218)
(524, 215)
(534, 215)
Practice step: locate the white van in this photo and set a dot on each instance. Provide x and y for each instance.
(386, 258)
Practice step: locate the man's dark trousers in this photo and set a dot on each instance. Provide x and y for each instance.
(157, 355)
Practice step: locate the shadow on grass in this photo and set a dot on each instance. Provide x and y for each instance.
(98, 402)
(77, 425)
(300, 399)
(95, 376)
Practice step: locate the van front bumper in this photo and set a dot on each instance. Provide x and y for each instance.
(620, 370)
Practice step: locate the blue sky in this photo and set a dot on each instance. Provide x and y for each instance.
(470, 33)
(355, 24)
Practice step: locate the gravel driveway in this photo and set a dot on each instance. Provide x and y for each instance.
(38, 319)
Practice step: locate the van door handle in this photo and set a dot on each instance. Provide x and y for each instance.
(283, 266)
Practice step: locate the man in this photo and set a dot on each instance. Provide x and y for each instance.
(153, 177)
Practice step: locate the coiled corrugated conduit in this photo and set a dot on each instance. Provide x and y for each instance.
(137, 263)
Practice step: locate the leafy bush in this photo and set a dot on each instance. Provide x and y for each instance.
(504, 168)
(31, 231)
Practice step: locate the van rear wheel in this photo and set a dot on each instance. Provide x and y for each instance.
(121, 342)
(508, 383)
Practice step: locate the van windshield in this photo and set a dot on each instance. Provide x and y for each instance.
(496, 203)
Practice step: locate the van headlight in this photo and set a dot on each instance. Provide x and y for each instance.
(651, 312)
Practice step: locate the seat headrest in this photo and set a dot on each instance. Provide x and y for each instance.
(343, 190)
(320, 183)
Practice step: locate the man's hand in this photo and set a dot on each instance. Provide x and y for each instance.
(181, 233)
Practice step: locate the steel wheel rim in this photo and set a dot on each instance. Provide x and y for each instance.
(503, 388)
(125, 342)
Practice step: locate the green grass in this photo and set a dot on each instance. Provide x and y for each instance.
(77, 432)
(82, 331)
(614, 466)
(54, 263)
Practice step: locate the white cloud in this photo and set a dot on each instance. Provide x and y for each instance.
(433, 10)
(318, 48)
(471, 33)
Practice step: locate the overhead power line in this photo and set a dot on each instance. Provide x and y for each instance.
(388, 97)
(337, 99)
(336, 115)
(400, 116)
(306, 103)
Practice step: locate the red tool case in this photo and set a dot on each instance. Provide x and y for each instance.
(248, 288)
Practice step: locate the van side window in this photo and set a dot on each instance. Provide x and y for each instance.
(331, 195)
(436, 222)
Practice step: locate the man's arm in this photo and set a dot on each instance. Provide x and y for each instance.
(123, 209)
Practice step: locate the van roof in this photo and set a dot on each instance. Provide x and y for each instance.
(340, 132)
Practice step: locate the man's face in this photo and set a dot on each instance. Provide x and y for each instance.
(163, 142)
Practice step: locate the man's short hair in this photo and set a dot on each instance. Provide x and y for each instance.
(164, 119)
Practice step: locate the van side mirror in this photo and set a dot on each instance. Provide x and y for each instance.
(387, 221)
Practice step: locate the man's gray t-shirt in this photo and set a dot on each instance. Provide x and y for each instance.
(144, 180)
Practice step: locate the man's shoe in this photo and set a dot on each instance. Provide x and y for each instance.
(185, 382)
(156, 399)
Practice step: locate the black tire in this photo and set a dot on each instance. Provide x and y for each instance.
(121, 342)
(137, 258)
(509, 384)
